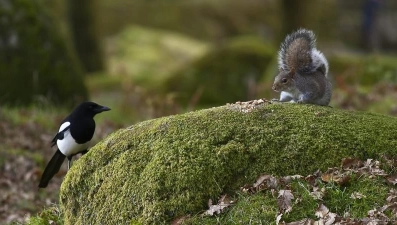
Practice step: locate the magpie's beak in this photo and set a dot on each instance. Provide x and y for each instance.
(101, 109)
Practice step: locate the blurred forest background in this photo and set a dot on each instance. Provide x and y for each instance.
(146, 59)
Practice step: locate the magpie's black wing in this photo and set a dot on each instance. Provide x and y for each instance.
(59, 136)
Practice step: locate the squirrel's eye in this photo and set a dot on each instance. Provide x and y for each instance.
(284, 80)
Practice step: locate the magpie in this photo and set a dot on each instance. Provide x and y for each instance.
(73, 137)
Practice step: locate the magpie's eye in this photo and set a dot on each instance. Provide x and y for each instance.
(284, 80)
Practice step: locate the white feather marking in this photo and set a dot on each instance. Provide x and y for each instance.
(63, 126)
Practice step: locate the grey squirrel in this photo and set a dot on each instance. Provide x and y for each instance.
(303, 76)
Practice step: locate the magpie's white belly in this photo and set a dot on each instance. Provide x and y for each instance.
(68, 145)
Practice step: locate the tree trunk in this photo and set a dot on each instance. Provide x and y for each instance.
(81, 16)
(296, 14)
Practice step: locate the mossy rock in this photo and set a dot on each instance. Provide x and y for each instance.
(160, 169)
(226, 74)
(35, 59)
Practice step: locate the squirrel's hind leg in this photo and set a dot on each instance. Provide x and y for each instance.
(308, 98)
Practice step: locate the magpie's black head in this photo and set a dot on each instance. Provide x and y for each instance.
(90, 108)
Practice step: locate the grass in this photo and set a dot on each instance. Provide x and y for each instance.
(43, 115)
(12, 152)
(50, 215)
(261, 207)
(304, 205)
(339, 200)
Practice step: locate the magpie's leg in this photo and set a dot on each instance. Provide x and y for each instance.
(69, 160)
(70, 157)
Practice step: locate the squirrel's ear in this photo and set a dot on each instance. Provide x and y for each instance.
(291, 73)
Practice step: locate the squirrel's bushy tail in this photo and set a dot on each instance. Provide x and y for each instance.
(298, 53)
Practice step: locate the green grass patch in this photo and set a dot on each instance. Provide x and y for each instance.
(339, 198)
(44, 116)
(260, 208)
(51, 215)
(5, 153)
(303, 204)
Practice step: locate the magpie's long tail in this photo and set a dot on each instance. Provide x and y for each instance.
(52, 168)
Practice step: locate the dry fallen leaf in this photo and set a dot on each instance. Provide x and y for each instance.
(179, 220)
(392, 179)
(393, 208)
(392, 197)
(392, 162)
(321, 211)
(326, 217)
(278, 218)
(247, 188)
(371, 168)
(219, 208)
(357, 195)
(305, 221)
(335, 176)
(376, 216)
(284, 200)
(351, 163)
(312, 180)
(372, 212)
(318, 193)
(263, 182)
(288, 179)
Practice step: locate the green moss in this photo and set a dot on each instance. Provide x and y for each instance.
(35, 60)
(160, 169)
(228, 73)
